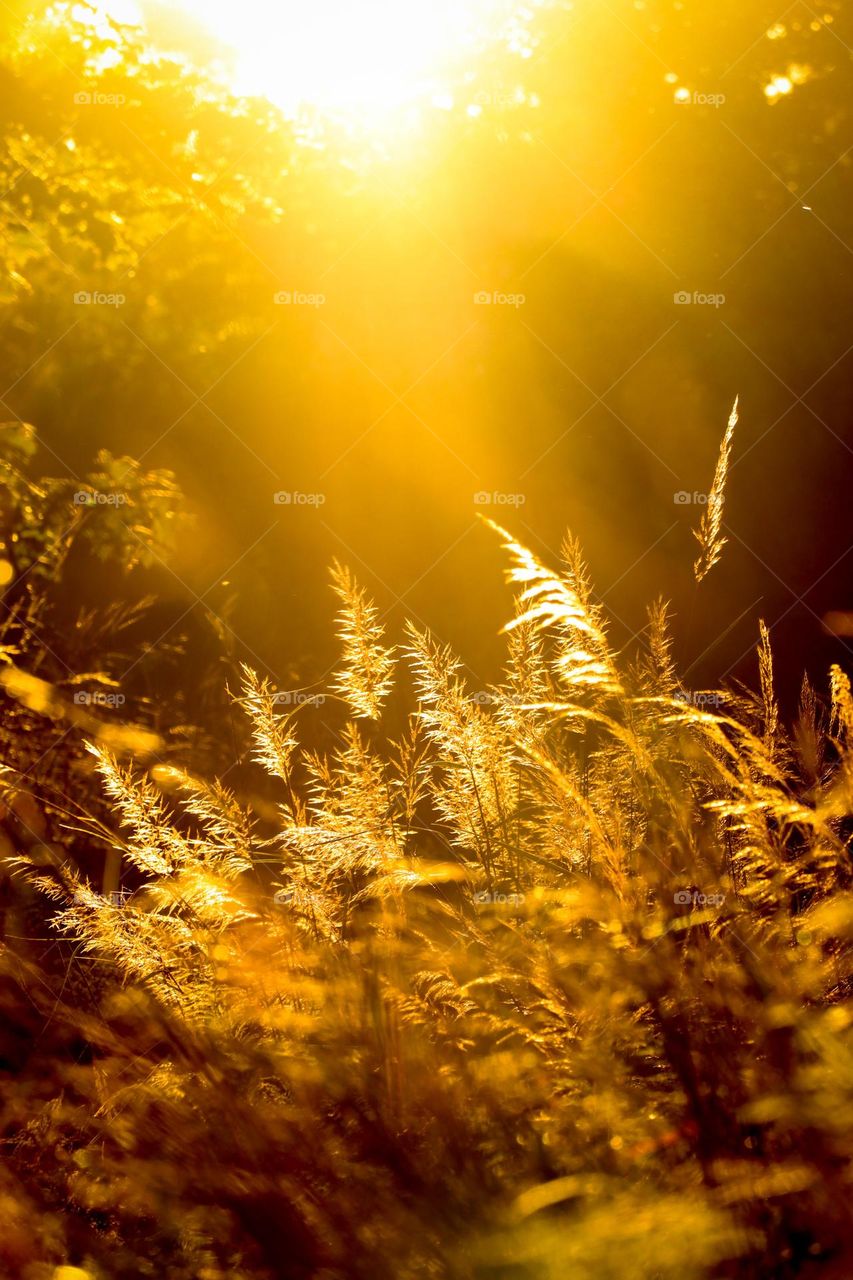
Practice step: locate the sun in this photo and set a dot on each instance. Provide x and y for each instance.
(358, 56)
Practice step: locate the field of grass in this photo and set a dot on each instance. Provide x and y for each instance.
(323, 956)
(556, 984)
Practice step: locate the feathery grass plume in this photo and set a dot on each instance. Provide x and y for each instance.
(225, 823)
(841, 709)
(366, 677)
(768, 695)
(709, 534)
(153, 843)
(659, 663)
(809, 734)
(353, 831)
(409, 774)
(477, 792)
(161, 936)
(529, 688)
(274, 740)
(577, 574)
(560, 604)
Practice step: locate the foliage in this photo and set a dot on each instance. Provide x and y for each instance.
(119, 512)
(67, 654)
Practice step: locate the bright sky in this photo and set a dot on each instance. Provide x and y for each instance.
(369, 55)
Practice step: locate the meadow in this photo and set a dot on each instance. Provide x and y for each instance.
(385, 893)
(554, 983)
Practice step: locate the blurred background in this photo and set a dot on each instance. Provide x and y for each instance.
(356, 286)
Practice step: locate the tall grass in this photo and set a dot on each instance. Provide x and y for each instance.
(554, 984)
